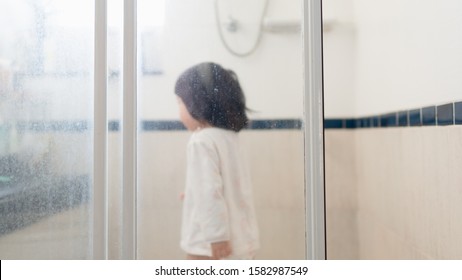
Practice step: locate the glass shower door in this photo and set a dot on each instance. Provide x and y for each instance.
(46, 98)
(262, 42)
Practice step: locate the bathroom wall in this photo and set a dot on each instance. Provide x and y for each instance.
(341, 194)
(408, 204)
(383, 56)
(271, 77)
(339, 45)
(407, 54)
(393, 185)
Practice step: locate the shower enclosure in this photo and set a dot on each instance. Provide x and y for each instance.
(92, 155)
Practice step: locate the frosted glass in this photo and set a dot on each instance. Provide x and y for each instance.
(176, 34)
(46, 113)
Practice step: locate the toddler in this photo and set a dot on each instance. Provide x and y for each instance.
(218, 213)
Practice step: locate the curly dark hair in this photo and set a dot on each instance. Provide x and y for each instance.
(214, 95)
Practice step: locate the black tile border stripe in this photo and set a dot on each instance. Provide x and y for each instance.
(253, 125)
(146, 125)
(42, 126)
(161, 125)
(275, 124)
(439, 115)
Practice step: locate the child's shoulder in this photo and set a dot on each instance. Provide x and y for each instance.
(211, 135)
(213, 132)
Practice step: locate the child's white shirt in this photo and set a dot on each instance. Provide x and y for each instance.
(218, 202)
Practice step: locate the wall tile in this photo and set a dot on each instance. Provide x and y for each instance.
(403, 118)
(409, 200)
(388, 120)
(429, 115)
(445, 114)
(415, 117)
(375, 121)
(458, 112)
(341, 201)
(333, 123)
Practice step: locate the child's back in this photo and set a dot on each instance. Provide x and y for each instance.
(218, 203)
(218, 216)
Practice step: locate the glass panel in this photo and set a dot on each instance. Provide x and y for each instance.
(174, 35)
(46, 101)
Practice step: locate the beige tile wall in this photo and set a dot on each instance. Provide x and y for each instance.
(276, 162)
(391, 193)
(408, 192)
(277, 165)
(341, 202)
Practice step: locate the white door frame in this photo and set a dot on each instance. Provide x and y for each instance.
(314, 130)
